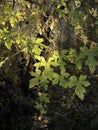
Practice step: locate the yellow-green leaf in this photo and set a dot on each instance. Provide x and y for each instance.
(1, 63)
(39, 40)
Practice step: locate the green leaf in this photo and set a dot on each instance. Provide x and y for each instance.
(40, 58)
(79, 64)
(79, 84)
(44, 98)
(82, 78)
(72, 56)
(43, 80)
(83, 81)
(55, 78)
(39, 106)
(72, 81)
(92, 63)
(44, 84)
(84, 52)
(12, 21)
(33, 82)
(55, 64)
(1, 63)
(63, 82)
(80, 91)
(36, 50)
(90, 54)
(63, 79)
(39, 40)
(19, 16)
(48, 72)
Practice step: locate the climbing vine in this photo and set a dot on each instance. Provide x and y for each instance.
(59, 36)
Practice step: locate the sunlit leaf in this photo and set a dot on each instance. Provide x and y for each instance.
(36, 50)
(39, 40)
(80, 91)
(12, 21)
(1, 63)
